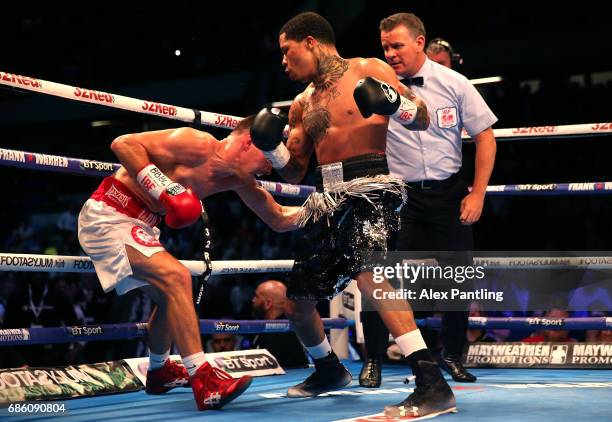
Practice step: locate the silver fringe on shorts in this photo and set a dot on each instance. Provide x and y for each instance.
(319, 204)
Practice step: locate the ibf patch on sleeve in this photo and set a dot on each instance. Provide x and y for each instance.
(447, 117)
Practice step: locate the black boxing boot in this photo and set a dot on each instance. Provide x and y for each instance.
(329, 375)
(432, 395)
(454, 367)
(370, 375)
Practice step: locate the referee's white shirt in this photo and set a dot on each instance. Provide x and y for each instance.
(452, 103)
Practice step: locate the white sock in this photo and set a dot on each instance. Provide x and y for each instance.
(193, 362)
(411, 342)
(321, 350)
(157, 361)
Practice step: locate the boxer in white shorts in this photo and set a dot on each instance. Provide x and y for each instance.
(163, 175)
(111, 219)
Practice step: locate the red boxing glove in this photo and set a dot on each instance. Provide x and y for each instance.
(183, 208)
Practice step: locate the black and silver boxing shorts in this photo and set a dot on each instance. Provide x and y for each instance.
(355, 213)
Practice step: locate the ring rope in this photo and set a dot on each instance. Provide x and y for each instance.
(56, 163)
(123, 331)
(119, 101)
(229, 122)
(528, 323)
(548, 132)
(79, 166)
(133, 330)
(83, 264)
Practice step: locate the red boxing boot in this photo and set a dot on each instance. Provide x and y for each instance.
(214, 388)
(164, 379)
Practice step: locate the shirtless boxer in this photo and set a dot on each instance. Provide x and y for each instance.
(343, 115)
(166, 172)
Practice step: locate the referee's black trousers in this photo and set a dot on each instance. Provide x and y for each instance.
(430, 223)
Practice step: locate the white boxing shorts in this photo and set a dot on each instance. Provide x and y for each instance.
(112, 218)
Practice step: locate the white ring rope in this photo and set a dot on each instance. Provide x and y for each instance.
(584, 129)
(118, 101)
(82, 264)
(229, 122)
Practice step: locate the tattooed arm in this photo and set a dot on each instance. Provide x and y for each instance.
(380, 70)
(298, 143)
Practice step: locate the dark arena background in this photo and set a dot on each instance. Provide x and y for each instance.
(553, 63)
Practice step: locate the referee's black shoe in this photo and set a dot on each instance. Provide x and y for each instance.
(370, 375)
(329, 375)
(454, 367)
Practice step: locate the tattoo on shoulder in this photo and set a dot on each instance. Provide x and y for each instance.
(300, 101)
(294, 117)
(315, 115)
(316, 123)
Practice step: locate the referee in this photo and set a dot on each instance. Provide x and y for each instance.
(440, 210)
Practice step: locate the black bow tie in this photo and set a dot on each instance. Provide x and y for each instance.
(418, 81)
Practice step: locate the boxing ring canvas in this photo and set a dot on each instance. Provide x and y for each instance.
(508, 394)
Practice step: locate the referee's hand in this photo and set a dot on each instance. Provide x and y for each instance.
(471, 208)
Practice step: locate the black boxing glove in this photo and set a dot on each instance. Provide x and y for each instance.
(267, 135)
(377, 97)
